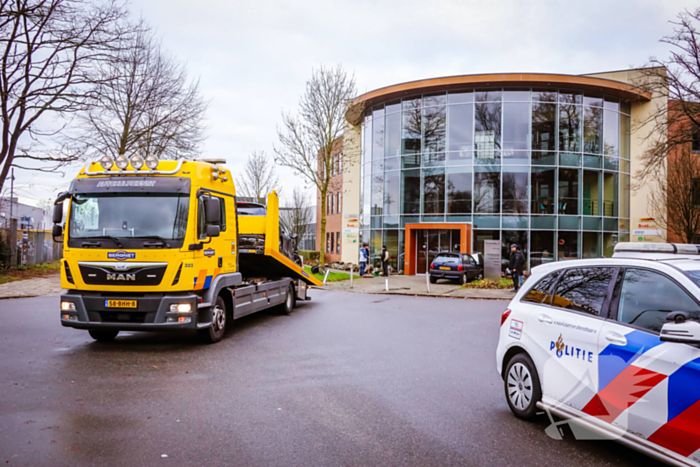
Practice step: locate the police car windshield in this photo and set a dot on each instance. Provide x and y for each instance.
(125, 215)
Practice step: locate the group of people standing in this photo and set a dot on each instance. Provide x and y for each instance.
(364, 259)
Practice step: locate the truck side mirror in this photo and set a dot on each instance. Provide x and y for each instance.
(213, 230)
(57, 231)
(686, 332)
(212, 210)
(58, 213)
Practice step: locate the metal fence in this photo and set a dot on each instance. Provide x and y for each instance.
(31, 247)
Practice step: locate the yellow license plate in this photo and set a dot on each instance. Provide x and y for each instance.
(446, 268)
(121, 303)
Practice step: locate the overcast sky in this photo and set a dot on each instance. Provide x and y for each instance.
(253, 57)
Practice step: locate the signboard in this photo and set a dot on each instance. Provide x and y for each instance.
(492, 259)
(646, 230)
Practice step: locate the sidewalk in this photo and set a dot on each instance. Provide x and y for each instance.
(416, 285)
(36, 287)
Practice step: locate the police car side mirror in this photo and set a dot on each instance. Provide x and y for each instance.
(213, 230)
(687, 332)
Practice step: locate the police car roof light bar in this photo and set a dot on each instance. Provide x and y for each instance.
(666, 248)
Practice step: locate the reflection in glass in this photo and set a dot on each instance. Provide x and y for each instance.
(516, 96)
(411, 132)
(434, 191)
(487, 130)
(410, 187)
(592, 129)
(625, 190)
(393, 135)
(591, 193)
(392, 192)
(459, 190)
(377, 194)
(434, 123)
(481, 235)
(378, 136)
(516, 116)
(460, 97)
(460, 124)
(610, 194)
(542, 180)
(488, 96)
(583, 289)
(517, 237)
(515, 190)
(439, 99)
(540, 293)
(487, 189)
(591, 245)
(544, 96)
(624, 138)
(569, 128)
(568, 245)
(459, 158)
(568, 191)
(612, 134)
(569, 98)
(544, 127)
(541, 247)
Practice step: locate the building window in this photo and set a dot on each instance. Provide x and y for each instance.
(695, 145)
(332, 242)
(328, 242)
(337, 243)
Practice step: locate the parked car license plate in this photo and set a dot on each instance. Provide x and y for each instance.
(121, 303)
(446, 268)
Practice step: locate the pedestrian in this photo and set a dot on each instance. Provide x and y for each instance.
(515, 266)
(385, 261)
(363, 259)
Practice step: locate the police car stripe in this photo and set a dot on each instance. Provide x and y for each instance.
(683, 388)
(682, 434)
(614, 359)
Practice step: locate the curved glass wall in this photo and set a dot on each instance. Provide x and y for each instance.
(548, 170)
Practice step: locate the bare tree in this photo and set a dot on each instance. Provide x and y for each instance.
(308, 141)
(676, 77)
(675, 201)
(296, 216)
(258, 178)
(49, 48)
(142, 101)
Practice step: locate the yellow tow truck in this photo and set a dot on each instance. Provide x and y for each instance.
(153, 245)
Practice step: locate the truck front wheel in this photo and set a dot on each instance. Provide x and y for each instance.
(103, 335)
(215, 332)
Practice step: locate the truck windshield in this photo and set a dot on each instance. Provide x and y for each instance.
(122, 215)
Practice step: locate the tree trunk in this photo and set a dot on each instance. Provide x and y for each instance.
(322, 258)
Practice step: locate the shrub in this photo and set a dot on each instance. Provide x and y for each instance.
(310, 255)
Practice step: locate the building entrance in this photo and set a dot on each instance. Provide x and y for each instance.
(425, 241)
(431, 242)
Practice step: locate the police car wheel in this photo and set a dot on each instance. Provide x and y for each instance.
(522, 387)
(103, 335)
(216, 331)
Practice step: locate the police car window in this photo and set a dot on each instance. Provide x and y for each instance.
(539, 293)
(647, 297)
(583, 289)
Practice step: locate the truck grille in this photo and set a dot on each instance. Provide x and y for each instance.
(122, 273)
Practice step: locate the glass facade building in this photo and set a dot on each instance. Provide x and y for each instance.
(548, 169)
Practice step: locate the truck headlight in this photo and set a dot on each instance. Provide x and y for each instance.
(67, 306)
(151, 161)
(122, 162)
(180, 308)
(136, 161)
(106, 162)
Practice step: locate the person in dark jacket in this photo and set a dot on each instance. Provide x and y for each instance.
(515, 266)
(385, 261)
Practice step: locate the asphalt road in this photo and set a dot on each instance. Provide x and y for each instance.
(348, 379)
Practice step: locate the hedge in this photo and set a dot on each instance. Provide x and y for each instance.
(310, 255)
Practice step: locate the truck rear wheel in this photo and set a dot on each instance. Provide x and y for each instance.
(289, 301)
(103, 335)
(216, 331)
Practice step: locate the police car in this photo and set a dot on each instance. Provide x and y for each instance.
(611, 346)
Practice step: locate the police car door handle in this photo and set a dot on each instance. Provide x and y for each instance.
(615, 338)
(545, 319)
